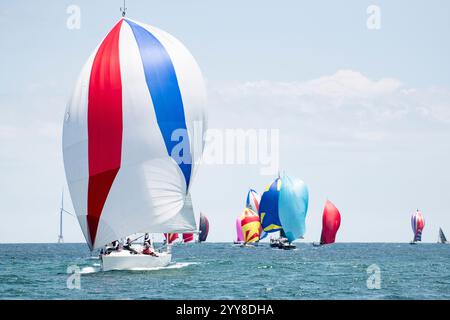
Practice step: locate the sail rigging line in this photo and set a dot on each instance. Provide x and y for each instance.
(70, 213)
(137, 238)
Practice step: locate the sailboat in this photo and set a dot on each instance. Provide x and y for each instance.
(203, 228)
(253, 200)
(133, 136)
(239, 234)
(417, 224)
(203, 231)
(284, 206)
(251, 227)
(442, 239)
(281, 242)
(331, 221)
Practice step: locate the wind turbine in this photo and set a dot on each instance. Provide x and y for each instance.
(61, 211)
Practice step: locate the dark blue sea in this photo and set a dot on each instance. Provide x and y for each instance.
(225, 271)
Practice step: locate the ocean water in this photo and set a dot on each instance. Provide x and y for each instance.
(225, 271)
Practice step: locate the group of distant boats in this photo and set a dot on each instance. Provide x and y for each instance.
(283, 207)
(418, 224)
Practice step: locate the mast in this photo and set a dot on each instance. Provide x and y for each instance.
(123, 9)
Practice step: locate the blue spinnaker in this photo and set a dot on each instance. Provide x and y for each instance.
(268, 207)
(292, 207)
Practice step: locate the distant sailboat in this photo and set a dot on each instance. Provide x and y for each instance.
(190, 236)
(253, 200)
(284, 205)
(442, 239)
(251, 226)
(203, 228)
(417, 224)
(331, 221)
(239, 234)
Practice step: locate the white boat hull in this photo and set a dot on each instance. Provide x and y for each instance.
(124, 260)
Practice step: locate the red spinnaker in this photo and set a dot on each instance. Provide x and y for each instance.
(331, 221)
(188, 237)
(171, 237)
(104, 127)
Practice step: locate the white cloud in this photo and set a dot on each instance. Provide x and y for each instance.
(344, 106)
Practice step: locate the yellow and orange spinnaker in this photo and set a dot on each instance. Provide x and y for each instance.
(251, 226)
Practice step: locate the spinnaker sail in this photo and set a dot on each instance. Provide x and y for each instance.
(188, 237)
(331, 221)
(293, 207)
(203, 228)
(284, 205)
(268, 207)
(250, 226)
(417, 224)
(133, 135)
(170, 237)
(253, 200)
(239, 234)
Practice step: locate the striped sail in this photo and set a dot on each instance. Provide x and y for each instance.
(417, 224)
(250, 226)
(253, 200)
(133, 135)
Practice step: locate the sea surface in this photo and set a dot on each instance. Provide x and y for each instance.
(226, 271)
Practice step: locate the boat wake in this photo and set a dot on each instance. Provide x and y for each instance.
(177, 265)
(96, 267)
(87, 270)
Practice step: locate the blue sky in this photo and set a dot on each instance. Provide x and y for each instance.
(363, 114)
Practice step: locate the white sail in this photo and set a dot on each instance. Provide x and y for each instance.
(138, 104)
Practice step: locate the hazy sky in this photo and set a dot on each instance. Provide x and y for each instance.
(364, 115)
